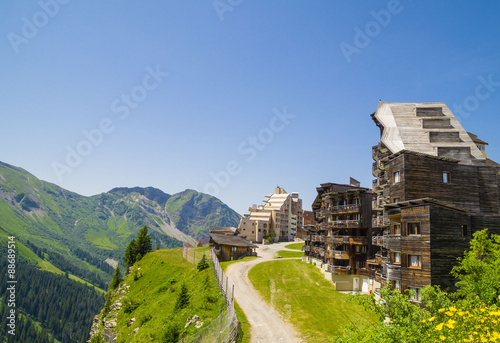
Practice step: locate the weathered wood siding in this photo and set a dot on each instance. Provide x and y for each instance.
(415, 245)
(472, 187)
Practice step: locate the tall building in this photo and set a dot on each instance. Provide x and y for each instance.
(279, 213)
(434, 187)
(341, 239)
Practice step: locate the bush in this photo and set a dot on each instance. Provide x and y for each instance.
(171, 334)
(130, 305)
(203, 264)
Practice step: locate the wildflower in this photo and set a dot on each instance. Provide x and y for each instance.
(439, 327)
(442, 337)
(441, 310)
(431, 319)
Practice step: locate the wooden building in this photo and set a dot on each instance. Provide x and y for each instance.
(434, 188)
(341, 239)
(229, 247)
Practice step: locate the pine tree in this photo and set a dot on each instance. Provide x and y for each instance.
(203, 264)
(144, 244)
(130, 254)
(117, 278)
(182, 299)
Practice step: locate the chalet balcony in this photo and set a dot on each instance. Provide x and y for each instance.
(318, 238)
(306, 248)
(375, 169)
(340, 255)
(393, 242)
(339, 239)
(350, 208)
(360, 240)
(307, 238)
(329, 254)
(322, 252)
(393, 272)
(344, 224)
(366, 272)
(378, 241)
(339, 270)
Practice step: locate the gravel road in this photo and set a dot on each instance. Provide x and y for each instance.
(267, 324)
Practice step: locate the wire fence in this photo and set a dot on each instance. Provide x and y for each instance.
(194, 253)
(224, 329)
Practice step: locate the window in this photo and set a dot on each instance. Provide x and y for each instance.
(265, 225)
(413, 229)
(415, 261)
(360, 248)
(398, 285)
(446, 177)
(397, 257)
(396, 177)
(414, 294)
(464, 231)
(396, 229)
(233, 249)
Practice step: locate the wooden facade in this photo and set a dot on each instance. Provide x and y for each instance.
(229, 247)
(342, 235)
(428, 201)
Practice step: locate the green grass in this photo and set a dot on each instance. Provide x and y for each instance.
(300, 292)
(226, 264)
(295, 246)
(290, 254)
(245, 327)
(155, 287)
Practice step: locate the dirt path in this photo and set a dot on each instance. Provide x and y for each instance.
(267, 324)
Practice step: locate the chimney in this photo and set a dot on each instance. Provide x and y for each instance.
(354, 182)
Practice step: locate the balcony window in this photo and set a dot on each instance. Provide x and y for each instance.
(396, 229)
(413, 229)
(465, 232)
(415, 294)
(446, 177)
(415, 261)
(397, 257)
(396, 177)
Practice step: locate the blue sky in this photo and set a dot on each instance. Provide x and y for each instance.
(232, 97)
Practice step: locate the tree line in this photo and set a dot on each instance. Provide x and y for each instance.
(63, 307)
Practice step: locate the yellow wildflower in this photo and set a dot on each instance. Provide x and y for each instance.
(439, 327)
(431, 319)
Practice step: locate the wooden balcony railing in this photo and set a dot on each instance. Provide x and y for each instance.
(339, 270)
(341, 255)
(344, 224)
(363, 240)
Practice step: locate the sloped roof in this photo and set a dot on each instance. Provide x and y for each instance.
(404, 128)
(235, 241)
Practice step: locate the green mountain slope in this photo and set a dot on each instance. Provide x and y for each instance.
(193, 212)
(76, 233)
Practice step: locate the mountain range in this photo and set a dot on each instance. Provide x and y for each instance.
(81, 228)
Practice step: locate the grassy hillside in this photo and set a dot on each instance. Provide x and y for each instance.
(148, 296)
(303, 296)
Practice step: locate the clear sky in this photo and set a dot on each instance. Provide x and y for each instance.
(232, 97)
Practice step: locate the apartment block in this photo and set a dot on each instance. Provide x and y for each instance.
(279, 213)
(340, 242)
